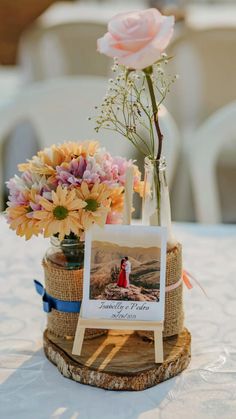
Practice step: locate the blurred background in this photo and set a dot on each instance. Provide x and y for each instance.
(51, 77)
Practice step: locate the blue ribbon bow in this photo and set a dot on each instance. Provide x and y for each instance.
(50, 302)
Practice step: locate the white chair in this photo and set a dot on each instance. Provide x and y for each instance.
(62, 49)
(59, 109)
(206, 146)
(206, 63)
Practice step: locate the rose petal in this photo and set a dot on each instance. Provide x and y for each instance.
(107, 45)
(135, 24)
(165, 34)
(141, 59)
(137, 38)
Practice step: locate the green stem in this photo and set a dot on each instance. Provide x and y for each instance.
(156, 163)
(138, 95)
(155, 112)
(157, 182)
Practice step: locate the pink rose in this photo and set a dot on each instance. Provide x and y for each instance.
(137, 38)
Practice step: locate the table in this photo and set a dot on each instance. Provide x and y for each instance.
(32, 388)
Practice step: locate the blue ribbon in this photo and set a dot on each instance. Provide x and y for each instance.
(50, 302)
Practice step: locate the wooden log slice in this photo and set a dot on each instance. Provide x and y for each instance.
(119, 361)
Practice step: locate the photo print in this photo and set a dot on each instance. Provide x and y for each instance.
(124, 275)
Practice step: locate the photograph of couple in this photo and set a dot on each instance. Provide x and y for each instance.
(125, 270)
(124, 273)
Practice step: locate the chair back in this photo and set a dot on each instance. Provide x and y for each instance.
(204, 151)
(206, 62)
(58, 110)
(63, 49)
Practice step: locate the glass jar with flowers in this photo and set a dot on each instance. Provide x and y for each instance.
(62, 192)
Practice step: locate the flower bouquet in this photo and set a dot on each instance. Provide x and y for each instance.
(62, 191)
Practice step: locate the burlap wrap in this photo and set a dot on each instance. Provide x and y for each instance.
(65, 285)
(68, 285)
(174, 313)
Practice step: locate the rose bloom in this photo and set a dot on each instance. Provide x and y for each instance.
(137, 38)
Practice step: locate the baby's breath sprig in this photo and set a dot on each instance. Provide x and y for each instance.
(131, 104)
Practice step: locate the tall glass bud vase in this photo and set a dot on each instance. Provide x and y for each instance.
(156, 211)
(156, 200)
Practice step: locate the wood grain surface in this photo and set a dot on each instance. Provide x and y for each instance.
(119, 361)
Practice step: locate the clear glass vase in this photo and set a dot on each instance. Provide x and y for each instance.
(156, 200)
(66, 254)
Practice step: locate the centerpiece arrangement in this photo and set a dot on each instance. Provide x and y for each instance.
(67, 188)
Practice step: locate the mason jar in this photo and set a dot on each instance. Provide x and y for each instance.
(63, 266)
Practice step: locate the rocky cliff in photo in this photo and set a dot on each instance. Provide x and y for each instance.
(132, 293)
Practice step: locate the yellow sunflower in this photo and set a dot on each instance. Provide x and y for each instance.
(62, 215)
(98, 203)
(21, 220)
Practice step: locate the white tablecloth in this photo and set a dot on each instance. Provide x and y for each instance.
(32, 388)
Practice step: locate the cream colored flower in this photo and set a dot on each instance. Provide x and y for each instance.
(46, 161)
(62, 215)
(117, 199)
(21, 220)
(84, 149)
(98, 203)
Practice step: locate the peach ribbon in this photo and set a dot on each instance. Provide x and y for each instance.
(173, 286)
(186, 276)
(186, 279)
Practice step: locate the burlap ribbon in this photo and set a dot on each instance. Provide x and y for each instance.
(65, 285)
(174, 313)
(68, 285)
